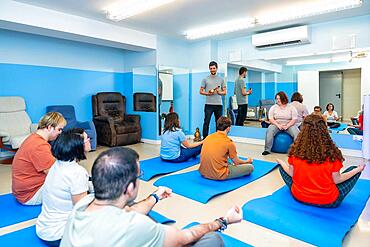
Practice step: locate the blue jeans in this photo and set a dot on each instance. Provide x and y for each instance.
(208, 111)
(355, 131)
(186, 153)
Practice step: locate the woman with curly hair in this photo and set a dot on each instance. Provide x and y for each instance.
(171, 140)
(314, 163)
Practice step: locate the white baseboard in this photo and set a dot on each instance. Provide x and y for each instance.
(351, 152)
(247, 140)
(151, 141)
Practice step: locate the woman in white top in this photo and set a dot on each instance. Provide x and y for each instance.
(331, 116)
(65, 184)
(302, 111)
(283, 118)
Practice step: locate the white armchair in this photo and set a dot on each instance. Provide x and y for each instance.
(15, 124)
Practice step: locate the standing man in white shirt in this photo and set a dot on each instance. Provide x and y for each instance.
(213, 87)
(240, 90)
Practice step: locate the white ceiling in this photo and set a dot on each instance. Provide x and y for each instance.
(181, 15)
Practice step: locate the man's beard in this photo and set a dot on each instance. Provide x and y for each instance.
(213, 73)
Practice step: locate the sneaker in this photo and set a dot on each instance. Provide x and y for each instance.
(265, 153)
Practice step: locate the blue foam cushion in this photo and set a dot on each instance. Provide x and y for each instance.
(228, 241)
(12, 212)
(156, 166)
(25, 237)
(192, 185)
(160, 218)
(314, 225)
(282, 142)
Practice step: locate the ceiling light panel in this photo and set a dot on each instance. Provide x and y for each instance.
(308, 61)
(306, 10)
(312, 8)
(124, 9)
(220, 28)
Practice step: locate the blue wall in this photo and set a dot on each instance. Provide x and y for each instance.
(30, 49)
(288, 87)
(197, 101)
(42, 86)
(181, 85)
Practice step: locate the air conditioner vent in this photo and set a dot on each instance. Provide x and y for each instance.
(283, 37)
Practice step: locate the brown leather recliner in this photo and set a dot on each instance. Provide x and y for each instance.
(113, 126)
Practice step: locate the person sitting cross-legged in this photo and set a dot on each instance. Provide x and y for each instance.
(34, 158)
(216, 151)
(110, 218)
(313, 169)
(357, 129)
(66, 183)
(173, 139)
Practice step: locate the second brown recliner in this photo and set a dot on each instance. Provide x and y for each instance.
(113, 126)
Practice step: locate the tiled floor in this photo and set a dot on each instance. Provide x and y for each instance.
(184, 210)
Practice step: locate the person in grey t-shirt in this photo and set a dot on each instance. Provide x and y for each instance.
(241, 96)
(110, 217)
(213, 86)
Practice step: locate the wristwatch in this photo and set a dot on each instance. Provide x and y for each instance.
(223, 223)
(156, 197)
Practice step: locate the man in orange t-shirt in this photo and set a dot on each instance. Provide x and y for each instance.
(216, 150)
(34, 158)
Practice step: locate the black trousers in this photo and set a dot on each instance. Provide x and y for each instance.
(208, 111)
(242, 113)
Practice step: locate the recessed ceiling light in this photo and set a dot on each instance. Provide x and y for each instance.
(308, 61)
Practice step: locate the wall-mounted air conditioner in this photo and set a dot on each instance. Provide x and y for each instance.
(282, 37)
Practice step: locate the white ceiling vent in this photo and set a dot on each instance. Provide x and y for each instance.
(282, 37)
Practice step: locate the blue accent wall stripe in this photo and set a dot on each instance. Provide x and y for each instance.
(41, 86)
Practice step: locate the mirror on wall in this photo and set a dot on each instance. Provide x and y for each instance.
(260, 87)
(145, 97)
(174, 95)
(267, 80)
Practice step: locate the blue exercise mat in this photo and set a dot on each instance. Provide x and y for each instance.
(192, 185)
(160, 218)
(12, 212)
(228, 241)
(346, 141)
(314, 225)
(25, 237)
(156, 166)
